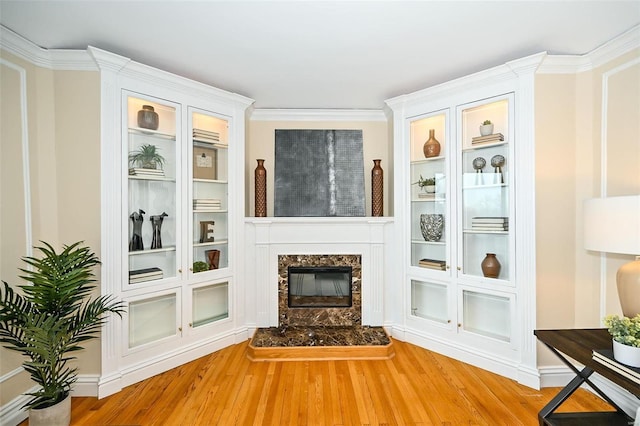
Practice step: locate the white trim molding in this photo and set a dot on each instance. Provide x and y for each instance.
(317, 115)
(573, 64)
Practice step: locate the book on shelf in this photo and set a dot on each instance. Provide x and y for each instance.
(144, 279)
(145, 272)
(496, 137)
(427, 195)
(197, 131)
(489, 219)
(605, 357)
(138, 171)
(440, 265)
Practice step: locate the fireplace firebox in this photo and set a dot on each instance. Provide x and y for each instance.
(320, 287)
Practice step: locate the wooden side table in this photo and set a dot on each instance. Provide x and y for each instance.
(578, 344)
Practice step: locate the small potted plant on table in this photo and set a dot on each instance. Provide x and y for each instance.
(486, 128)
(626, 338)
(427, 185)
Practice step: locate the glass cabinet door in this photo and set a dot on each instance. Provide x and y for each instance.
(209, 136)
(152, 157)
(485, 210)
(209, 303)
(428, 192)
(153, 318)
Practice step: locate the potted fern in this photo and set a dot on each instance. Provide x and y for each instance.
(48, 322)
(146, 157)
(626, 338)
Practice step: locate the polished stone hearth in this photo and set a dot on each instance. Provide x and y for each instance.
(320, 336)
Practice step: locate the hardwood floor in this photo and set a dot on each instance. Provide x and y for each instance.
(416, 387)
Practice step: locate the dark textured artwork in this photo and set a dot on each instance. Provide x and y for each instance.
(319, 173)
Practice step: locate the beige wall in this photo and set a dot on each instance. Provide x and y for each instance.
(569, 152)
(64, 160)
(261, 144)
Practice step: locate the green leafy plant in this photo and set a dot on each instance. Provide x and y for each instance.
(486, 122)
(199, 266)
(624, 330)
(53, 316)
(422, 182)
(147, 156)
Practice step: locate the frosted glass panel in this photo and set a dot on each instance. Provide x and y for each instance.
(152, 319)
(429, 300)
(487, 314)
(210, 303)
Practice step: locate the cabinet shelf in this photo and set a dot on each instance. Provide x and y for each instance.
(478, 231)
(486, 186)
(211, 243)
(152, 133)
(216, 181)
(427, 160)
(428, 200)
(429, 243)
(150, 251)
(478, 147)
(156, 178)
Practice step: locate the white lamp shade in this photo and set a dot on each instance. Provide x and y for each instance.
(612, 224)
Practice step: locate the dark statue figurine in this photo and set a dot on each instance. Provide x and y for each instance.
(156, 223)
(136, 238)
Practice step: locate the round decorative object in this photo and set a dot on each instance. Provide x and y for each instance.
(478, 164)
(431, 226)
(490, 266)
(431, 147)
(148, 118)
(628, 355)
(497, 161)
(261, 189)
(377, 199)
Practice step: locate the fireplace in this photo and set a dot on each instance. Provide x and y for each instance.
(319, 290)
(319, 286)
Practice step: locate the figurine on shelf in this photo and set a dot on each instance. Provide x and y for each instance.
(156, 223)
(136, 238)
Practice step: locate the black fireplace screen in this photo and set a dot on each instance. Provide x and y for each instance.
(319, 287)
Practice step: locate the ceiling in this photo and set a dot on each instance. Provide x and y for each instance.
(322, 54)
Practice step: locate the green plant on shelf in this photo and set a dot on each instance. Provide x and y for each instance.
(422, 182)
(200, 266)
(486, 122)
(147, 157)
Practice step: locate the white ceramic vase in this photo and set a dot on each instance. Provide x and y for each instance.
(625, 354)
(486, 129)
(56, 415)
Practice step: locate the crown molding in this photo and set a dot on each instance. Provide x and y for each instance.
(573, 64)
(317, 115)
(55, 59)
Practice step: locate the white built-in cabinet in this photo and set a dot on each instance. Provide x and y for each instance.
(171, 231)
(483, 193)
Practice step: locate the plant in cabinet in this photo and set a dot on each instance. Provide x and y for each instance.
(486, 128)
(427, 185)
(199, 266)
(52, 317)
(626, 338)
(146, 157)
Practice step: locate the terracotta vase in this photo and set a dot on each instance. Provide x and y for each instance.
(261, 189)
(377, 201)
(148, 118)
(213, 258)
(490, 266)
(431, 147)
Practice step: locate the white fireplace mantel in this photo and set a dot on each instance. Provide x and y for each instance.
(267, 238)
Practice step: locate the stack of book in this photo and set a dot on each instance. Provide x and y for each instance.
(490, 223)
(206, 136)
(142, 275)
(605, 357)
(206, 204)
(496, 137)
(439, 265)
(139, 171)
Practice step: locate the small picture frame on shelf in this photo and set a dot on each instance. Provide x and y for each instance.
(204, 162)
(206, 231)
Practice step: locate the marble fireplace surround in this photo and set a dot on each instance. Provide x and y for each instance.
(271, 238)
(320, 316)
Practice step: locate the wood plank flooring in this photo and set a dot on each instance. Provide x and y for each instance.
(416, 387)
